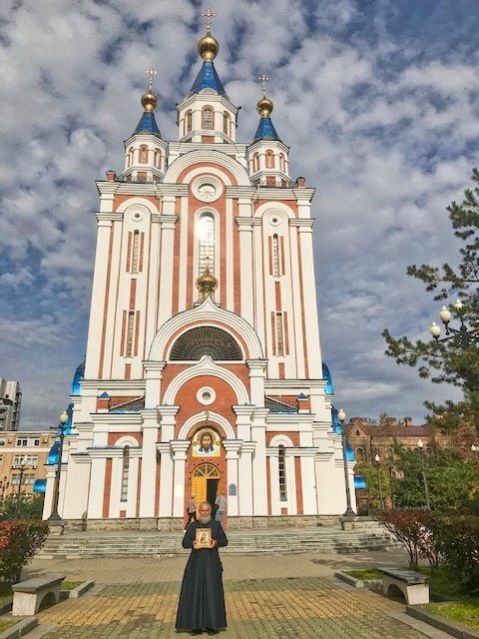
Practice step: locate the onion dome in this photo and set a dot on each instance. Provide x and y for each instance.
(208, 47)
(264, 106)
(149, 102)
(206, 284)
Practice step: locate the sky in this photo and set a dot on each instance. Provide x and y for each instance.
(378, 100)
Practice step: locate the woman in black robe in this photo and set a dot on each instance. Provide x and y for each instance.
(202, 600)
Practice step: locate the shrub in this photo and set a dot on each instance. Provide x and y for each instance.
(458, 541)
(19, 541)
(412, 528)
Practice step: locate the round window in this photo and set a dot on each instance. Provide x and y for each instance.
(206, 395)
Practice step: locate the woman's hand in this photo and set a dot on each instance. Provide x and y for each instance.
(213, 543)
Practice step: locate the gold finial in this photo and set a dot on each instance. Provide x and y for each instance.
(264, 106)
(206, 284)
(209, 14)
(149, 99)
(208, 46)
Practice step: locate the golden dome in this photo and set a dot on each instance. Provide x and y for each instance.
(206, 284)
(149, 101)
(208, 47)
(264, 107)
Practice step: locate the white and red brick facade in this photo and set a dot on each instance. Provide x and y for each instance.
(263, 396)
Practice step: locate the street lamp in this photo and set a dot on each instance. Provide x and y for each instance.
(465, 336)
(56, 488)
(377, 459)
(22, 472)
(420, 445)
(349, 511)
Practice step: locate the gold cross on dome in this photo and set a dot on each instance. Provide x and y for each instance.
(150, 74)
(264, 79)
(209, 14)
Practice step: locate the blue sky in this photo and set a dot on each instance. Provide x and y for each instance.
(378, 100)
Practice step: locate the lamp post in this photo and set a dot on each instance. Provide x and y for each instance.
(377, 459)
(56, 488)
(349, 512)
(420, 445)
(463, 334)
(22, 472)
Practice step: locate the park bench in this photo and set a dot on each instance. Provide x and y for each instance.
(29, 595)
(412, 585)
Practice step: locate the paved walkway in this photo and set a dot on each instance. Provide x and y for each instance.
(268, 597)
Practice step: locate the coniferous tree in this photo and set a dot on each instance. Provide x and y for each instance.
(455, 361)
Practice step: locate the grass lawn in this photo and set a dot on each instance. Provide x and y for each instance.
(70, 585)
(465, 612)
(6, 623)
(364, 574)
(442, 581)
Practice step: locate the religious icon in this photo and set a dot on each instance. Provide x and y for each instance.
(203, 538)
(206, 443)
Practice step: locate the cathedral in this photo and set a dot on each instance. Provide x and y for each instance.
(203, 372)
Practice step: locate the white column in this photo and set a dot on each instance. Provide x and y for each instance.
(232, 447)
(310, 306)
(148, 464)
(258, 436)
(296, 327)
(166, 480)
(97, 488)
(246, 261)
(308, 482)
(48, 501)
(274, 481)
(179, 448)
(291, 482)
(153, 376)
(257, 369)
(168, 223)
(261, 273)
(246, 474)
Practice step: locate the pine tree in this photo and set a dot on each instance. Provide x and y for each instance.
(455, 361)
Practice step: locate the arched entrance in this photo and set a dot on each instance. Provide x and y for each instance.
(205, 483)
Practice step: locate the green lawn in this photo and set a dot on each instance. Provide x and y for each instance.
(6, 623)
(465, 612)
(70, 585)
(364, 574)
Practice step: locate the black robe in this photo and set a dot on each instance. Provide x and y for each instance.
(202, 599)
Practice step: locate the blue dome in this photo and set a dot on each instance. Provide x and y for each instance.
(40, 486)
(349, 453)
(329, 388)
(265, 130)
(52, 458)
(77, 377)
(359, 482)
(69, 422)
(208, 78)
(148, 124)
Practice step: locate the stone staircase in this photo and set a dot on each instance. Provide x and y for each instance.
(90, 545)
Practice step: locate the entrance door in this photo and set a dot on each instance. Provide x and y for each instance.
(205, 483)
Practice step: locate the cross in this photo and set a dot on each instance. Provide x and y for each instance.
(208, 14)
(264, 79)
(150, 74)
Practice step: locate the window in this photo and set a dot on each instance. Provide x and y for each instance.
(29, 479)
(275, 247)
(282, 472)
(15, 479)
(207, 118)
(256, 162)
(129, 333)
(33, 441)
(135, 251)
(129, 157)
(226, 123)
(359, 453)
(143, 154)
(279, 334)
(281, 162)
(188, 121)
(158, 158)
(2, 441)
(206, 243)
(124, 474)
(269, 159)
(22, 442)
(1, 460)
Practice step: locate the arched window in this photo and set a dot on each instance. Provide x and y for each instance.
(207, 116)
(206, 243)
(188, 121)
(143, 154)
(269, 159)
(279, 334)
(125, 471)
(359, 453)
(205, 340)
(357, 433)
(226, 123)
(130, 156)
(158, 158)
(283, 496)
(256, 162)
(281, 162)
(275, 246)
(129, 333)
